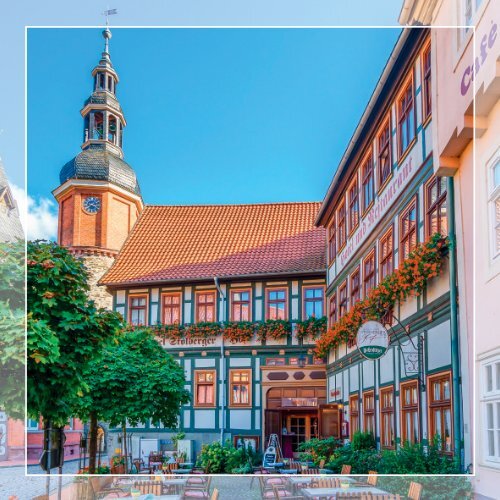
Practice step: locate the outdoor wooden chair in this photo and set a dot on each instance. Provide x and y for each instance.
(280, 492)
(346, 469)
(353, 495)
(147, 487)
(155, 461)
(140, 467)
(415, 491)
(384, 496)
(100, 487)
(326, 482)
(314, 471)
(267, 485)
(202, 491)
(372, 478)
(215, 494)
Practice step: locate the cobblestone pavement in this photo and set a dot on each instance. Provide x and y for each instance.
(14, 482)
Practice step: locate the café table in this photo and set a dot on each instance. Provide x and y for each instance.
(177, 483)
(287, 471)
(182, 471)
(297, 481)
(325, 493)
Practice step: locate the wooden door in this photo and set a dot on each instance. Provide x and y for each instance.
(272, 424)
(329, 421)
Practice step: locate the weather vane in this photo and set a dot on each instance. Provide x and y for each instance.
(109, 12)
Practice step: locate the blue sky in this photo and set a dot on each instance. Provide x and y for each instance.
(214, 115)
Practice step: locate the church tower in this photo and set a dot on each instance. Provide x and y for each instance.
(99, 197)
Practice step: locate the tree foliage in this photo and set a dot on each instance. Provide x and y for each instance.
(12, 324)
(135, 380)
(65, 331)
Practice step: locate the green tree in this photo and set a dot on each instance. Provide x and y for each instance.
(65, 331)
(12, 322)
(135, 380)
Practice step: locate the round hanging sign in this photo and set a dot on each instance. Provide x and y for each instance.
(372, 340)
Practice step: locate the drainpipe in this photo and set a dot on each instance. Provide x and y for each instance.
(223, 363)
(455, 350)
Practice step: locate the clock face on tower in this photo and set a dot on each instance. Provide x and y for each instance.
(92, 204)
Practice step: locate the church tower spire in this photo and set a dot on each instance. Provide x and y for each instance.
(102, 114)
(99, 196)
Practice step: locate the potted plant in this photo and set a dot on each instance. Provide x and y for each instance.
(118, 464)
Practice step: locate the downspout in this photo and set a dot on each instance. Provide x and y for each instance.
(455, 343)
(223, 364)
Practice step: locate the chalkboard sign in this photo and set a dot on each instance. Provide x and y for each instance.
(269, 456)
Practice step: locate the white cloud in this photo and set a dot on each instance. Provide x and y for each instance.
(38, 216)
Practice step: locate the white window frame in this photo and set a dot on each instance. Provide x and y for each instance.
(494, 194)
(490, 397)
(30, 427)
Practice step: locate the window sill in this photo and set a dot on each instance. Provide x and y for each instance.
(368, 208)
(383, 186)
(205, 407)
(407, 151)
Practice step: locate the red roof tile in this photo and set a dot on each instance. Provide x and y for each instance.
(200, 242)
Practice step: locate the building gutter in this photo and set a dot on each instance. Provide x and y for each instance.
(223, 364)
(455, 343)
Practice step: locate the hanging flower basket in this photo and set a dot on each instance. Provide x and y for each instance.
(239, 331)
(409, 280)
(274, 329)
(312, 327)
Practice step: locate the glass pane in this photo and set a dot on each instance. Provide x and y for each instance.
(496, 174)
(446, 389)
(447, 430)
(489, 378)
(497, 378)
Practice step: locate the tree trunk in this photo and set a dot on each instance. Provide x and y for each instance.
(92, 443)
(125, 451)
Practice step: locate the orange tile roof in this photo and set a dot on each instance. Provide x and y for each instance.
(200, 242)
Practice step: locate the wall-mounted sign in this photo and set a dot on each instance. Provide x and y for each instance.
(372, 340)
(209, 341)
(402, 177)
(336, 394)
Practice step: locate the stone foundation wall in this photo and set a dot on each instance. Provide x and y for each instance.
(97, 265)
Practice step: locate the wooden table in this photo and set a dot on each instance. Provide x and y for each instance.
(177, 483)
(332, 492)
(296, 481)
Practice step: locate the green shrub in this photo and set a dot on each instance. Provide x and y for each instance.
(217, 458)
(409, 459)
(363, 441)
(318, 449)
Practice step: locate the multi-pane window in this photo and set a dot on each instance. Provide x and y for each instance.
(240, 381)
(387, 431)
(137, 308)
(332, 242)
(368, 188)
(332, 313)
(427, 82)
(369, 412)
(240, 305)
(406, 119)
(490, 409)
(386, 254)
(275, 362)
(495, 207)
(409, 412)
(31, 424)
(171, 308)
(204, 387)
(313, 302)
(343, 302)
(440, 410)
(384, 154)
(205, 307)
(408, 230)
(355, 287)
(276, 303)
(353, 206)
(369, 273)
(341, 224)
(354, 411)
(436, 209)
